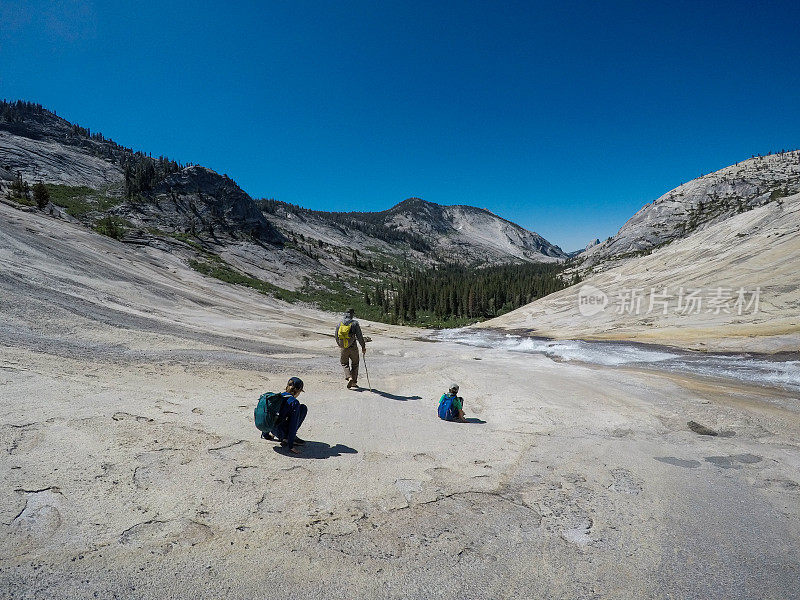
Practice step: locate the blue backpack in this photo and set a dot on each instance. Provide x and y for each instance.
(266, 411)
(446, 410)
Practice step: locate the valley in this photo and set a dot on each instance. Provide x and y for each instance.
(133, 468)
(330, 259)
(632, 409)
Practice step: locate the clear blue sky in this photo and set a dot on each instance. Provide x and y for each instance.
(565, 117)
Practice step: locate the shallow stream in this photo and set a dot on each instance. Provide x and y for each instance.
(781, 371)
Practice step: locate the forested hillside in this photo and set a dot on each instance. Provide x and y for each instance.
(452, 294)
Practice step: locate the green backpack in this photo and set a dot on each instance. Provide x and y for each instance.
(267, 409)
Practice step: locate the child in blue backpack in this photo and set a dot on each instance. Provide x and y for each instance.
(451, 405)
(291, 416)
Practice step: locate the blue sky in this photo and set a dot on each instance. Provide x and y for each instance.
(564, 117)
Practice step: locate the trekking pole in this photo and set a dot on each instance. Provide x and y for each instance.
(366, 370)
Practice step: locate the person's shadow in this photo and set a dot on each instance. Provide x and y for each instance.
(393, 396)
(316, 450)
(474, 420)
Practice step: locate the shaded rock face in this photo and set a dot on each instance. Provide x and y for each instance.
(700, 203)
(53, 162)
(42, 146)
(199, 199)
(419, 216)
(45, 126)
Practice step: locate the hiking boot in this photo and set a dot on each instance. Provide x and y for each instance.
(351, 383)
(298, 441)
(265, 435)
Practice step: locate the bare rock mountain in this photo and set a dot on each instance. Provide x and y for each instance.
(733, 286)
(592, 244)
(150, 194)
(42, 146)
(698, 204)
(473, 234)
(420, 232)
(710, 265)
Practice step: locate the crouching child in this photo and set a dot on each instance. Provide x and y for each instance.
(451, 405)
(279, 416)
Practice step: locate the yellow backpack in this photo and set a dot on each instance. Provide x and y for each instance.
(344, 334)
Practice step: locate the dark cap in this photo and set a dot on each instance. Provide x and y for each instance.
(295, 383)
(351, 311)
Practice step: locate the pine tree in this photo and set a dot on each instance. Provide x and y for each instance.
(19, 190)
(41, 195)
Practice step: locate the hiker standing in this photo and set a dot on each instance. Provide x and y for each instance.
(348, 332)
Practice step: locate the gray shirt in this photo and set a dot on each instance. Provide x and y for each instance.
(355, 332)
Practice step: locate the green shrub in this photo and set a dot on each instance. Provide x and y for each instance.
(112, 226)
(191, 241)
(777, 194)
(215, 267)
(79, 200)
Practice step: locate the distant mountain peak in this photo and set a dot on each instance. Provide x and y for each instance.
(413, 204)
(468, 233)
